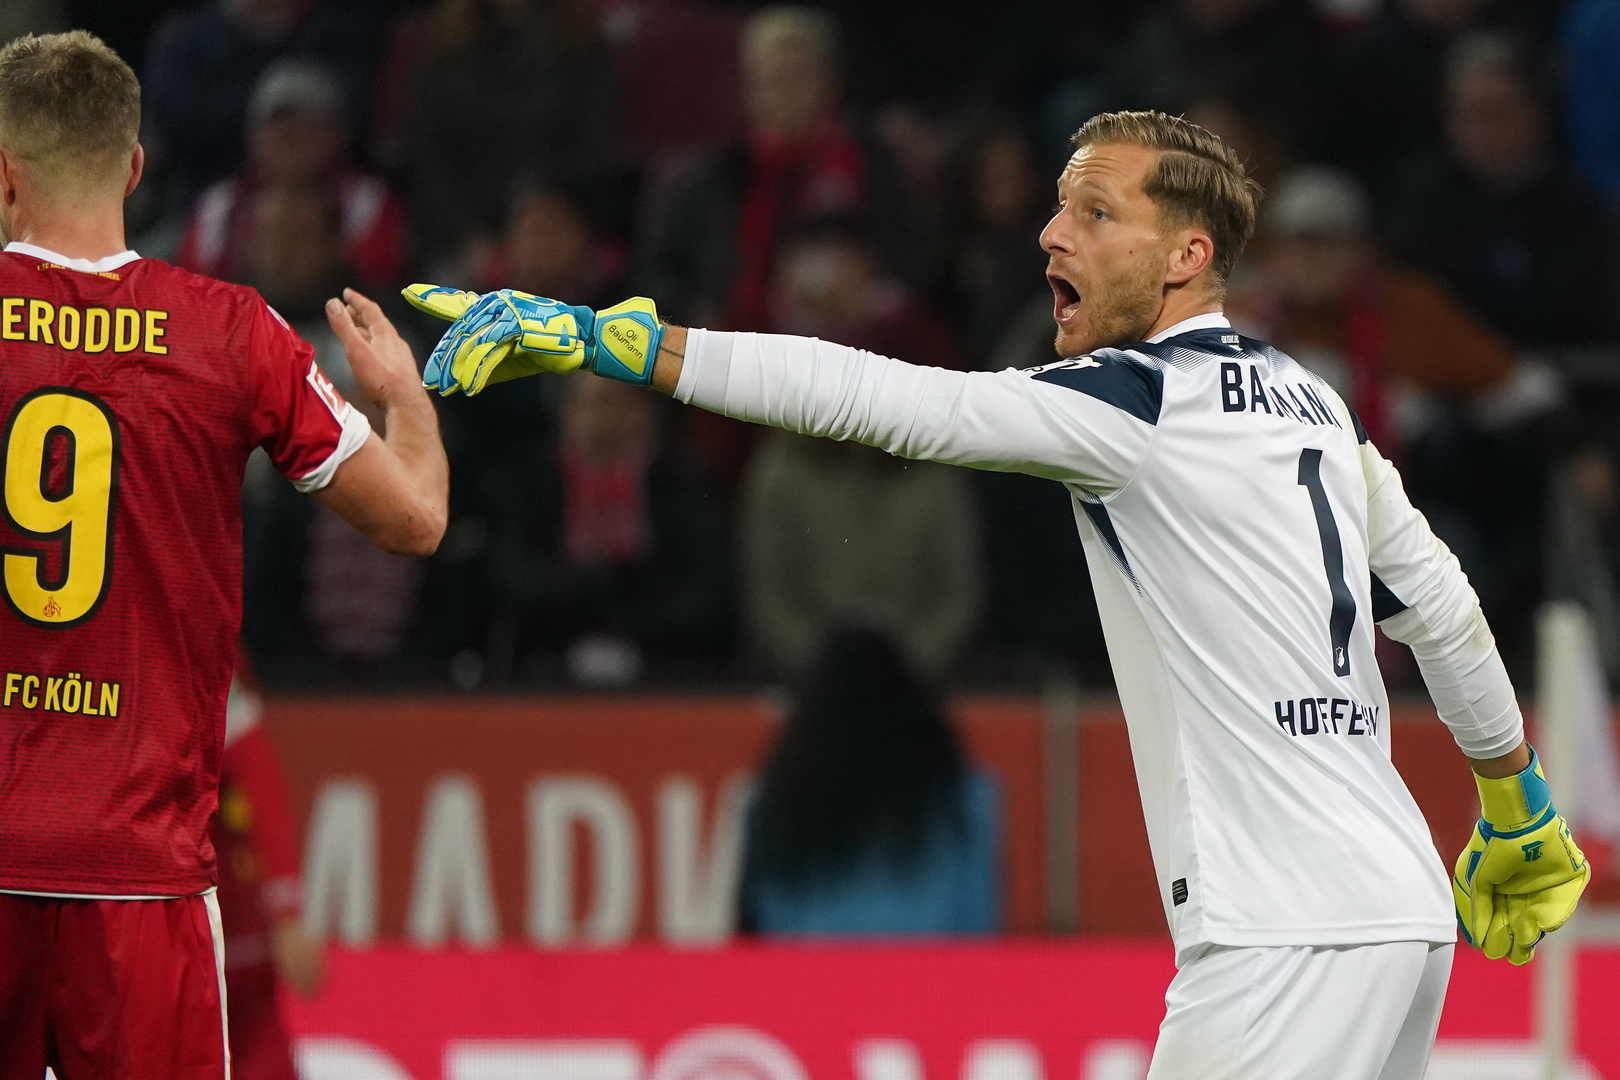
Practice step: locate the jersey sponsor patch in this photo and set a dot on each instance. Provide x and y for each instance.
(327, 392)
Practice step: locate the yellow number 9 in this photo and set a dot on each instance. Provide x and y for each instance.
(61, 474)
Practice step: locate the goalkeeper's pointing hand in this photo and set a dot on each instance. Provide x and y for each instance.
(508, 334)
(1521, 874)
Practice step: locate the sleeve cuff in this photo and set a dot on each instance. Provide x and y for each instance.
(356, 430)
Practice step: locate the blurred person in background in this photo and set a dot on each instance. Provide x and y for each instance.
(204, 64)
(611, 555)
(830, 282)
(501, 84)
(868, 818)
(1592, 75)
(712, 247)
(1446, 395)
(1385, 84)
(260, 892)
(996, 205)
(838, 531)
(346, 601)
(1267, 50)
(1499, 216)
(298, 137)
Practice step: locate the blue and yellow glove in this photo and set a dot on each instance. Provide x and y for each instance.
(508, 334)
(1521, 874)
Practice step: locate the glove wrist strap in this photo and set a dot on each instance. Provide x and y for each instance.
(1515, 802)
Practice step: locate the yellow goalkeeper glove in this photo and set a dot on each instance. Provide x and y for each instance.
(1521, 874)
(508, 334)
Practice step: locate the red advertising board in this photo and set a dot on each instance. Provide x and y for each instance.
(600, 819)
(1012, 1011)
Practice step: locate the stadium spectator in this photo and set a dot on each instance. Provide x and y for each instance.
(611, 554)
(1385, 84)
(711, 248)
(501, 83)
(204, 65)
(868, 819)
(1592, 45)
(829, 282)
(838, 532)
(358, 602)
(1499, 217)
(996, 207)
(1267, 51)
(297, 137)
(552, 247)
(1379, 334)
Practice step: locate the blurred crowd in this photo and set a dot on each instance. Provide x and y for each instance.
(1443, 181)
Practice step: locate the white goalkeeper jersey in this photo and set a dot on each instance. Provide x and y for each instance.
(1243, 537)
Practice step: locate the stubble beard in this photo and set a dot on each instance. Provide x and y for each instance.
(1119, 309)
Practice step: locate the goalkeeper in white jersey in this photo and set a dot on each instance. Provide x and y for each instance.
(1243, 538)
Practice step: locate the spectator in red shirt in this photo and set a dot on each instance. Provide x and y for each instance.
(298, 137)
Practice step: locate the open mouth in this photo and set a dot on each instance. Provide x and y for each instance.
(1065, 299)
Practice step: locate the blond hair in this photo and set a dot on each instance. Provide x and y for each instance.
(1197, 178)
(69, 106)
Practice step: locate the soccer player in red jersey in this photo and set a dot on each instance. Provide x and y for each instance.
(131, 394)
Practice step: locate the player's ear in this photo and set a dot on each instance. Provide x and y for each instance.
(137, 166)
(8, 177)
(1191, 257)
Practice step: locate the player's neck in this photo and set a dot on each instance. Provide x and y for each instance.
(76, 233)
(1178, 309)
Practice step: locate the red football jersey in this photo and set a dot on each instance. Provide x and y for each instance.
(132, 393)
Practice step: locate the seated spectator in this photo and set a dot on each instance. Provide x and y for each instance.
(1592, 45)
(502, 84)
(830, 283)
(611, 555)
(204, 65)
(297, 137)
(712, 247)
(999, 204)
(1499, 218)
(1447, 396)
(867, 819)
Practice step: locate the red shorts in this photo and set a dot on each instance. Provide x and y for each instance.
(111, 989)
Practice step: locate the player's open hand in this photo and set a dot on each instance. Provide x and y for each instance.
(381, 360)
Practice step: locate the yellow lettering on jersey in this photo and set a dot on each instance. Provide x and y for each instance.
(41, 316)
(126, 330)
(97, 329)
(155, 331)
(68, 321)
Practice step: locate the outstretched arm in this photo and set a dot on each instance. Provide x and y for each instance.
(395, 490)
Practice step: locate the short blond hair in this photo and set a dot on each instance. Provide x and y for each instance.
(1197, 178)
(69, 106)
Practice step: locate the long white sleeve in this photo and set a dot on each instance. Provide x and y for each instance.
(1440, 620)
(1092, 429)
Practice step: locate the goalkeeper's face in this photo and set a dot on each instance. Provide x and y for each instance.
(1109, 257)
